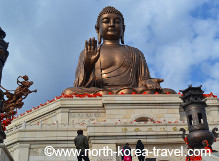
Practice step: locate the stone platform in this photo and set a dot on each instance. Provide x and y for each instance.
(110, 120)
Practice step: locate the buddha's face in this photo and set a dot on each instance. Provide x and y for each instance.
(111, 26)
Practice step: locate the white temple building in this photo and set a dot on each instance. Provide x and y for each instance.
(108, 120)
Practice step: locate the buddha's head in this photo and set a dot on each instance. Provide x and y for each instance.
(110, 25)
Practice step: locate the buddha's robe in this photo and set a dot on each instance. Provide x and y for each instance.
(129, 73)
(132, 72)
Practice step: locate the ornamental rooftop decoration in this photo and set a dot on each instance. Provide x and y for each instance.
(111, 66)
(3, 57)
(3, 51)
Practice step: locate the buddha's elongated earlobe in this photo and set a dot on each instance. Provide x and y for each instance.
(99, 36)
(122, 38)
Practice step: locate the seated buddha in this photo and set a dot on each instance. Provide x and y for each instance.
(112, 66)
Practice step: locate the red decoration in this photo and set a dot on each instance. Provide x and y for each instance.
(193, 158)
(186, 140)
(210, 95)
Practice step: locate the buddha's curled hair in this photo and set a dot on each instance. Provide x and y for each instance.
(109, 9)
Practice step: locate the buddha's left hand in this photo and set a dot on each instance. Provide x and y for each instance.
(154, 83)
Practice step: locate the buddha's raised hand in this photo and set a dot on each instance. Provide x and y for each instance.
(91, 52)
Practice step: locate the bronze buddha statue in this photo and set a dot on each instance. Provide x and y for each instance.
(111, 66)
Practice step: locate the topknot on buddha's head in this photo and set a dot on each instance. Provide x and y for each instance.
(107, 10)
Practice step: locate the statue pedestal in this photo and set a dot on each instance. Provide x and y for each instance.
(111, 120)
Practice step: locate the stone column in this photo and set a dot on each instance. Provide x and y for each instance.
(4, 154)
(21, 149)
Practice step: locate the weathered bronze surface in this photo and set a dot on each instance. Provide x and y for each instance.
(111, 66)
(194, 107)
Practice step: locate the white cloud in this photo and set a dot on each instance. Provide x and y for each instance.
(211, 84)
(46, 38)
(174, 41)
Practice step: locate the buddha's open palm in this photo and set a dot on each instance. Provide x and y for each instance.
(91, 52)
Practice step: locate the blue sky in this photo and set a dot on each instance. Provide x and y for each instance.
(180, 41)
